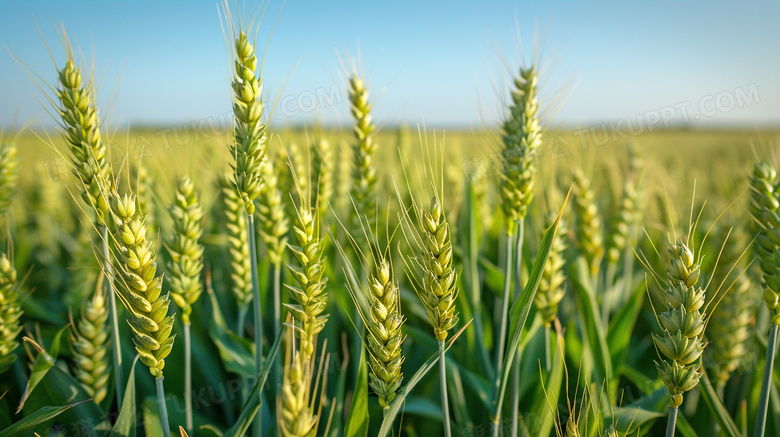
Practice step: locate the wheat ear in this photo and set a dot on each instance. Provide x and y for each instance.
(8, 175)
(364, 177)
(238, 248)
(10, 313)
(322, 174)
(89, 343)
(309, 293)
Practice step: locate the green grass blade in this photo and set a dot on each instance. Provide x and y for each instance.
(43, 415)
(254, 401)
(622, 326)
(594, 335)
(727, 425)
(358, 420)
(400, 398)
(125, 422)
(520, 309)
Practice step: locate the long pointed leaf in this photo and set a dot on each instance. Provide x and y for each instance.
(594, 335)
(521, 307)
(254, 401)
(358, 420)
(400, 398)
(125, 422)
(716, 407)
(43, 415)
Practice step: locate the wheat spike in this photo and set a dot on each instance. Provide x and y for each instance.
(296, 413)
(8, 175)
(185, 250)
(238, 246)
(138, 288)
(309, 293)
(364, 177)
(90, 343)
(588, 229)
(251, 141)
(273, 220)
(521, 138)
(682, 323)
(552, 286)
(439, 289)
(383, 334)
(10, 313)
(81, 129)
(322, 174)
(764, 208)
(729, 327)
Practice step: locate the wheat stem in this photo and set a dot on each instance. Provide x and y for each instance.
(520, 223)
(763, 401)
(670, 425)
(115, 345)
(277, 274)
(188, 378)
(547, 357)
(504, 305)
(445, 405)
(250, 220)
(242, 311)
(166, 427)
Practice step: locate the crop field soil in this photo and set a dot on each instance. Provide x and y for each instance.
(247, 278)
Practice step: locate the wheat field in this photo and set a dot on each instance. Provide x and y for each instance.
(243, 278)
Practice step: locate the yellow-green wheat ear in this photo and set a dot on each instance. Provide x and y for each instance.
(8, 175)
(251, 141)
(81, 129)
(729, 328)
(364, 177)
(238, 241)
(10, 313)
(138, 288)
(383, 333)
(521, 137)
(764, 206)
(322, 174)
(295, 410)
(552, 287)
(680, 344)
(439, 291)
(309, 292)
(273, 221)
(620, 227)
(185, 249)
(588, 226)
(90, 344)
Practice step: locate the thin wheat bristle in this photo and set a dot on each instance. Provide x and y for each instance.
(10, 313)
(138, 288)
(383, 334)
(681, 344)
(185, 250)
(81, 129)
(90, 343)
(309, 294)
(588, 225)
(251, 140)
(521, 138)
(273, 220)
(238, 242)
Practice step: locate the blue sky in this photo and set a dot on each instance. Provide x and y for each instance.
(438, 62)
